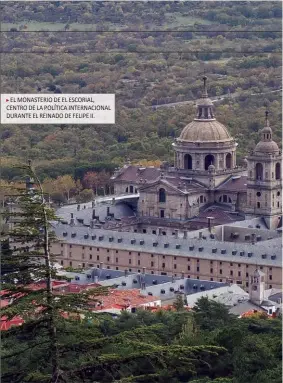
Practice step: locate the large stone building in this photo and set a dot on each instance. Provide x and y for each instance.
(205, 174)
(204, 218)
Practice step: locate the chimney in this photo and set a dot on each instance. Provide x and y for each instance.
(253, 238)
(93, 214)
(78, 207)
(183, 275)
(185, 234)
(72, 221)
(159, 231)
(176, 234)
(209, 220)
(143, 270)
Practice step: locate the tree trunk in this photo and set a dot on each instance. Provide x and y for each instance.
(50, 309)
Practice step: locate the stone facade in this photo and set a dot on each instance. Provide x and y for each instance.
(205, 173)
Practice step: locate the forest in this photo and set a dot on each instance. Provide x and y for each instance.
(148, 54)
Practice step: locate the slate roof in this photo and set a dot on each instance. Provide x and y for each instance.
(234, 184)
(131, 173)
(119, 210)
(190, 247)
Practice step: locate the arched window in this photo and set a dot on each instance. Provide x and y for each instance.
(188, 162)
(201, 199)
(258, 204)
(131, 189)
(229, 161)
(162, 195)
(277, 171)
(127, 189)
(209, 160)
(259, 171)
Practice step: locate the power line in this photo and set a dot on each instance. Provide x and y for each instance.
(142, 52)
(144, 31)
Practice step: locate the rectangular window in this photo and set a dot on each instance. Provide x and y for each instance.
(211, 262)
(90, 256)
(270, 268)
(197, 269)
(70, 263)
(247, 284)
(97, 257)
(189, 268)
(152, 255)
(116, 251)
(220, 263)
(108, 259)
(211, 271)
(175, 266)
(117, 268)
(239, 265)
(220, 271)
(116, 260)
(139, 253)
(231, 264)
(90, 248)
(62, 263)
(270, 277)
(70, 246)
(83, 247)
(97, 249)
(163, 264)
(152, 264)
(62, 245)
(163, 257)
(247, 274)
(83, 264)
(139, 262)
(231, 272)
(130, 253)
(175, 258)
(130, 261)
(239, 273)
(107, 250)
(211, 279)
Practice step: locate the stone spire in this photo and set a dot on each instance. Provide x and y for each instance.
(266, 133)
(205, 105)
(204, 92)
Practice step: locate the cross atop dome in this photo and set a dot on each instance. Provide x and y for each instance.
(204, 93)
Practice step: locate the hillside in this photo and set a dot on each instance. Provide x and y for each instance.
(147, 54)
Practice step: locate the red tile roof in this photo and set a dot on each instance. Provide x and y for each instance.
(122, 299)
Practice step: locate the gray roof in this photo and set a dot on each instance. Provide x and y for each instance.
(190, 247)
(164, 286)
(85, 213)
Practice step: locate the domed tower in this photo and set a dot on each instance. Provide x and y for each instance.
(264, 182)
(205, 142)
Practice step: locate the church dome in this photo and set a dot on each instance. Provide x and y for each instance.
(266, 144)
(266, 147)
(201, 130)
(205, 128)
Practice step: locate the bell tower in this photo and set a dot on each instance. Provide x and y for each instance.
(264, 183)
(257, 287)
